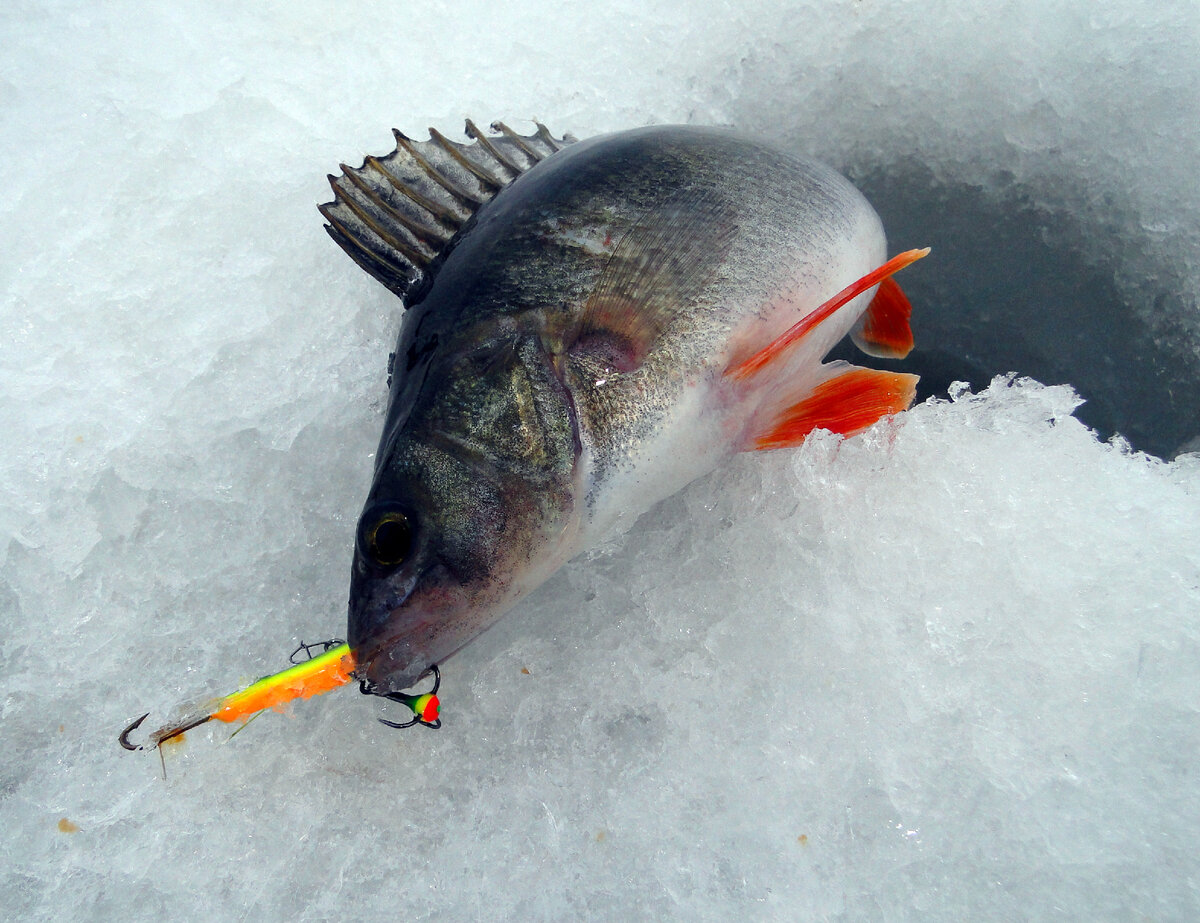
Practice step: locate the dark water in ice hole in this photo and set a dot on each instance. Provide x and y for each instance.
(1017, 286)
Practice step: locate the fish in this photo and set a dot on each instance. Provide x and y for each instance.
(589, 326)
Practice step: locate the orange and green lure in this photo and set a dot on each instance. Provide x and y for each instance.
(328, 670)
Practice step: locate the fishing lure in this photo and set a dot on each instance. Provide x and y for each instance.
(306, 678)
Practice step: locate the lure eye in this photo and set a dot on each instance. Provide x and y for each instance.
(386, 535)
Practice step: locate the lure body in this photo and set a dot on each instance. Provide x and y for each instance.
(591, 338)
(305, 679)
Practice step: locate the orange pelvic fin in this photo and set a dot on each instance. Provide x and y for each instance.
(794, 334)
(846, 403)
(883, 330)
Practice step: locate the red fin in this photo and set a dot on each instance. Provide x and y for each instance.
(798, 331)
(847, 403)
(883, 330)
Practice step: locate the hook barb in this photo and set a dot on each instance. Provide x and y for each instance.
(123, 740)
(162, 735)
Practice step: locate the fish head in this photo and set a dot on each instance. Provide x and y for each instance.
(473, 505)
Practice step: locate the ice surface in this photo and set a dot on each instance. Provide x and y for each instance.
(946, 670)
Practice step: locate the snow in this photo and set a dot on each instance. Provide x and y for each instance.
(945, 670)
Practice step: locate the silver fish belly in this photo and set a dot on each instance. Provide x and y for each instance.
(590, 326)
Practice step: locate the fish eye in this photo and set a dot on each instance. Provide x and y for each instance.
(386, 535)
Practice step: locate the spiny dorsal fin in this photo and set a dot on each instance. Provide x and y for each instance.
(395, 214)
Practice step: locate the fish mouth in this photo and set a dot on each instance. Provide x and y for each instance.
(382, 632)
(389, 658)
(385, 667)
(398, 632)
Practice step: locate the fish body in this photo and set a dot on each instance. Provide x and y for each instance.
(591, 338)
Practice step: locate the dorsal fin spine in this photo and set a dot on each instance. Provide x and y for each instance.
(444, 181)
(396, 215)
(438, 211)
(408, 252)
(381, 269)
(481, 139)
(474, 169)
(544, 133)
(529, 152)
(422, 233)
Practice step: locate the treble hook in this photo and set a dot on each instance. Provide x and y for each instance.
(425, 706)
(325, 647)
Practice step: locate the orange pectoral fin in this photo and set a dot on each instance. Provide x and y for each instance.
(847, 403)
(883, 330)
(771, 353)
